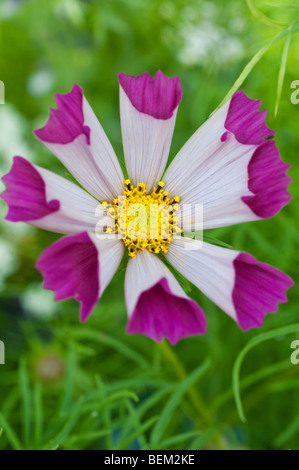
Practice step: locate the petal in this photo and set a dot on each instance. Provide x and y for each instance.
(157, 305)
(245, 121)
(244, 288)
(80, 267)
(158, 97)
(76, 137)
(267, 181)
(229, 168)
(110, 253)
(67, 121)
(48, 201)
(148, 108)
(257, 291)
(25, 193)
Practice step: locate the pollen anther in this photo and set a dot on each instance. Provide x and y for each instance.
(155, 224)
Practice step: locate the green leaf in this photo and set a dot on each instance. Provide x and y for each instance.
(186, 285)
(144, 427)
(88, 436)
(66, 429)
(10, 434)
(102, 404)
(251, 379)
(132, 422)
(252, 63)
(178, 439)
(262, 17)
(26, 400)
(38, 412)
(215, 241)
(282, 70)
(282, 5)
(121, 347)
(106, 416)
(240, 358)
(288, 433)
(174, 401)
(200, 441)
(69, 382)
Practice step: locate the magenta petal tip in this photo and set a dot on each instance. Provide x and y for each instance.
(246, 121)
(258, 290)
(158, 97)
(70, 268)
(161, 314)
(25, 193)
(66, 122)
(268, 181)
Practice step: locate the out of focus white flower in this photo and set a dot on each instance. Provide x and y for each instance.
(8, 8)
(15, 232)
(38, 302)
(13, 128)
(40, 82)
(237, 24)
(73, 10)
(206, 42)
(9, 261)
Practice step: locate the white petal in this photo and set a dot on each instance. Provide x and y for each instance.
(143, 272)
(210, 269)
(146, 142)
(157, 305)
(246, 289)
(213, 173)
(110, 256)
(78, 211)
(74, 134)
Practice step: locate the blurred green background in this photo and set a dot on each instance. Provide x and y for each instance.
(72, 386)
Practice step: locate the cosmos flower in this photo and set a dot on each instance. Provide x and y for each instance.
(230, 165)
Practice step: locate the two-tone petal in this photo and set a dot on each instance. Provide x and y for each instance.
(75, 136)
(230, 167)
(80, 267)
(246, 289)
(148, 108)
(156, 303)
(48, 201)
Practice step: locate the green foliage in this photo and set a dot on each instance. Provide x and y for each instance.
(72, 386)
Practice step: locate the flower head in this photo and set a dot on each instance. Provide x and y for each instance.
(157, 222)
(229, 166)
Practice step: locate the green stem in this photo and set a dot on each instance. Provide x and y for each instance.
(193, 394)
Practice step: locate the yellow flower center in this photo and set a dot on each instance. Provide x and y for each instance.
(144, 221)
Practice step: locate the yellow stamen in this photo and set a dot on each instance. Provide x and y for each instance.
(155, 224)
